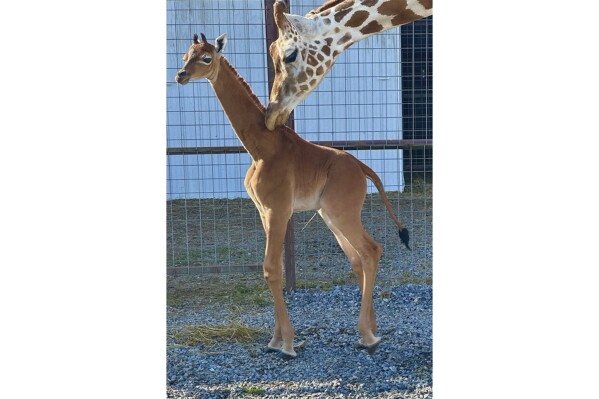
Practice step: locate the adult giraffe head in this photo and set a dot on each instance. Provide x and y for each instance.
(200, 59)
(295, 63)
(307, 47)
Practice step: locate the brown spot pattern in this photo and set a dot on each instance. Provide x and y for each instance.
(428, 4)
(372, 27)
(396, 7)
(326, 50)
(401, 19)
(357, 19)
(302, 77)
(339, 16)
(345, 38)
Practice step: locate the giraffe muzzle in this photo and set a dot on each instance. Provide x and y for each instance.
(275, 116)
(182, 77)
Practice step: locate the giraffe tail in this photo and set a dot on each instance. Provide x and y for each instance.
(404, 235)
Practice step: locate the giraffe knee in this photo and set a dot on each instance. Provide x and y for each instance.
(356, 265)
(270, 272)
(371, 258)
(355, 261)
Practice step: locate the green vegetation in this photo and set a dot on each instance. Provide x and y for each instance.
(211, 255)
(410, 278)
(253, 390)
(325, 285)
(248, 291)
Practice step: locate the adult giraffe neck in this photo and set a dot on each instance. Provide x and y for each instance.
(351, 21)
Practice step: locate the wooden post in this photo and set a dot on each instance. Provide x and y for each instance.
(271, 35)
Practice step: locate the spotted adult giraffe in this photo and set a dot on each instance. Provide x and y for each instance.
(307, 47)
(289, 174)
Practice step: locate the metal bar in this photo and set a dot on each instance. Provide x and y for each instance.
(342, 145)
(271, 35)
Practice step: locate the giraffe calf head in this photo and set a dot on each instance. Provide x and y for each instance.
(201, 60)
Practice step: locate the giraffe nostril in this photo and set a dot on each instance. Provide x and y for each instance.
(182, 73)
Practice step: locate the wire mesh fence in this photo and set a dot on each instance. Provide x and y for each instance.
(378, 93)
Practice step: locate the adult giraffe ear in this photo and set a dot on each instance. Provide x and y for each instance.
(220, 43)
(304, 26)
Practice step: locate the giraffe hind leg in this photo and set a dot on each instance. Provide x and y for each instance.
(369, 251)
(355, 262)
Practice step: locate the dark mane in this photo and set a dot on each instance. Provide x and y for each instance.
(247, 87)
(328, 4)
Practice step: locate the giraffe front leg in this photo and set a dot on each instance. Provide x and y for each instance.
(276, 343)
(282, 339)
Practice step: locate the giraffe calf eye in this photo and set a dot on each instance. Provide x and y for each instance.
(206, 60)
(291, 57)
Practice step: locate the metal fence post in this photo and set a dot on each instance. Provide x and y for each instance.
(271, 35)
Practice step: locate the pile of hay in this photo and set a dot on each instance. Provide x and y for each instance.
(209, 335)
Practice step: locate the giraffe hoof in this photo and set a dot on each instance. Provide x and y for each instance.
(370, 348)
(288, 353)
(272, 348)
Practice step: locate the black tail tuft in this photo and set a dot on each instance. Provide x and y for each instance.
(404, 236)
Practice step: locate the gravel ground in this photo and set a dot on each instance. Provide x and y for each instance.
(328, 366)
(218, 234)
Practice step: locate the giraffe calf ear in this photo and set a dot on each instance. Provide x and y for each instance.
(220, 43)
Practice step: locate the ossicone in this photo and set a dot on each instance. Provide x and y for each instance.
(195, 38)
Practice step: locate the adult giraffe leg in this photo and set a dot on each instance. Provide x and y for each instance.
(275, 226)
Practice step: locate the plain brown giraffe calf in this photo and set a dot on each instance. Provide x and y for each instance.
(289, 174)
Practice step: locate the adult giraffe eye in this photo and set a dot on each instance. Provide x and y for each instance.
(206, 60)
(291, 57)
